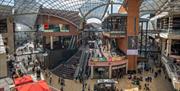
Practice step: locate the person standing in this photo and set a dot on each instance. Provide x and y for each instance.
(89, 89)
(46, 75)
(62, 82)
(50, 79)
(62, 89)
(59, 80)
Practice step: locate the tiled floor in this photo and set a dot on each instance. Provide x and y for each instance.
(158, 84)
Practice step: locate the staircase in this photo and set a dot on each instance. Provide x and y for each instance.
(68, 69)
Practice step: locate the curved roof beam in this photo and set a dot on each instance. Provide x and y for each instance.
(50, 15)
(99, 7)
(150, 3)
(33, 6)
(155, 6)
(91, 4)
(52, 6)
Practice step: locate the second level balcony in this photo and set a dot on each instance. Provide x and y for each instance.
(172, 34)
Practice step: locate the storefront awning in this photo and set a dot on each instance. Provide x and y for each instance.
(23, 80)
(37, 86)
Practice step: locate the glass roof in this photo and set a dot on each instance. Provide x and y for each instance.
(98, 11)
(151, 6)
(5, 8)
(98, 8)
(70, 10)
(66, 9)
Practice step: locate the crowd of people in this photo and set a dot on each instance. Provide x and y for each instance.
(143, 83)
(25, 64)
(22, 63)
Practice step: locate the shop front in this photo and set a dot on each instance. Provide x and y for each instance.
(107, 69)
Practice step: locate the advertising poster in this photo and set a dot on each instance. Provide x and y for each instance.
(132, 45)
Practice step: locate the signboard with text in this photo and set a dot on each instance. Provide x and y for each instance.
(107, 63)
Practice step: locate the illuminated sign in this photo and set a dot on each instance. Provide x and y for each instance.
(46, 26)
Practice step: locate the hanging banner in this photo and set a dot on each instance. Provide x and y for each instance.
(132, 45)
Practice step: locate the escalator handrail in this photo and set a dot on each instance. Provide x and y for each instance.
(73, 43)
(70, 43)
(80, 62)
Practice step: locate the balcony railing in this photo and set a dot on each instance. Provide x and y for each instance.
(176, 32)
(115, 34)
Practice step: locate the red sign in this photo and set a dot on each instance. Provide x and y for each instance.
(46, 26)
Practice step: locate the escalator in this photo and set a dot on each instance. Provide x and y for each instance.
(79, 68)
(81, 71)
(84, 66)
(72, 43)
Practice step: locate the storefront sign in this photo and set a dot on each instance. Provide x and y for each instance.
(46, 26)
(132, 52)
(98, 63)
(119, 66)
